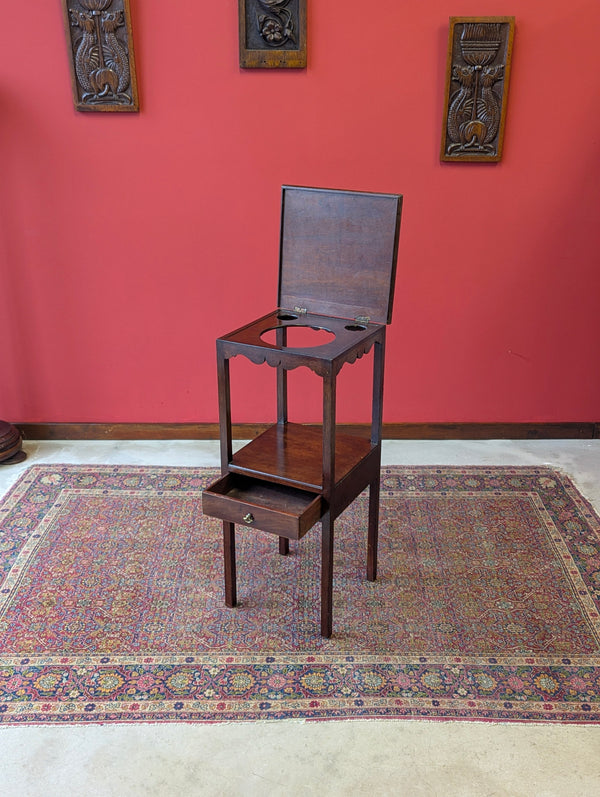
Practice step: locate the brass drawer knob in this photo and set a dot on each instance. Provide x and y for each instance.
(248, 518)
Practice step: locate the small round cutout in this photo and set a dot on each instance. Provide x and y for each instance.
(286, 317)
(355, 327)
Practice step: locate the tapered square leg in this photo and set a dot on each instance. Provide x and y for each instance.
(229, 564)
(284, 546)
(373, 533)
(327, 575)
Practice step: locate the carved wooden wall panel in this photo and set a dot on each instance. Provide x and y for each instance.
(101, 55)
(272, 33)
(478, 70)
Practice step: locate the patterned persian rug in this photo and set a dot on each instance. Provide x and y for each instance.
(111, 603)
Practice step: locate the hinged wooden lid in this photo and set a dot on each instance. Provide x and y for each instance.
(338, 252)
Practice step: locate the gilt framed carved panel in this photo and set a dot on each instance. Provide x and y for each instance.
(272, 34)
(101, 57)
(477, 77)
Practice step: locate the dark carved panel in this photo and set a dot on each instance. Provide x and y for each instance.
(101, 55)
(272, 33)
(479, 55)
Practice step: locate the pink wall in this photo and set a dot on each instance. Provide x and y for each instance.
(128, 243)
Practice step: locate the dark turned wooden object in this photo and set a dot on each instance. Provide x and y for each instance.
(337, 266)
(10, 444)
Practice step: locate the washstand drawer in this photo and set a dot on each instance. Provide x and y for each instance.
(285, 511)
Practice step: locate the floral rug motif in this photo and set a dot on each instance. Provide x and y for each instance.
(112, 606)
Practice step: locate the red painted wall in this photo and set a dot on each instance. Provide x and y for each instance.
(128, 243)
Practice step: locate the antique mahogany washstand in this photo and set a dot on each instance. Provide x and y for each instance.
(337, 264)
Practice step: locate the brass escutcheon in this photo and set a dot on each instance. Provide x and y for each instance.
(248, 518)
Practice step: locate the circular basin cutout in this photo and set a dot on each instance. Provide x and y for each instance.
(298, 336)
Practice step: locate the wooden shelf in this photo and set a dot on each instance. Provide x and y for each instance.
(293, 454)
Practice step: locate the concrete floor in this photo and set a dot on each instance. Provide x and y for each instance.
(411, 758)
